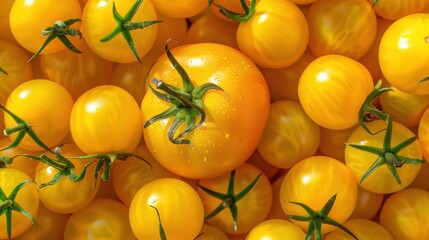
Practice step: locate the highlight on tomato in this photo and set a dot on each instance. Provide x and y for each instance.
(276, 229)
(207, 106)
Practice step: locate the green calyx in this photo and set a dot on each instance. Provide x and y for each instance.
(22, 128)
(229, 199)
(424, 79)
(124, 26)
(104, 161)
(3, 71)
(238, 17)
(187, 103)
(374, 3)
(60, 30)
(161, 228)
(8, 204)
(317, 218)
(388, 155)
(368, 112)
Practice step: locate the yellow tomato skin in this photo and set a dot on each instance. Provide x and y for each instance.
(28, 198)
(276, 211)
(362, 229)
(276, 229)
(13, 59)
(368, 204)
(101, 219)
(262, 39)
(332, 89)
(423, 133)
(46, 106)
(27, 15)
(404, 214)
(289, 135)
(178, 205)
(322, 175)
(381, 180)
(4, 22)
(103, 114)
(341, 27)
(332, 142)
(180, 8)
(234, 122)
(403, 54)
(22, 163)
(98, 21)
(210, 232)
(395, 9)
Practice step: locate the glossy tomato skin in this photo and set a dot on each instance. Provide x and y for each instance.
(341, 27)
(98, 21)
(27, 197)
(235, 119)
(4, 22)
(325, 177)
(130, 175)
(249, 214)
(382, 180)
(51, 225)
(76, 72)
(276, 229)
(403, 53)
(179, 8)
(362, 229)
(262, 39)
(178, 205)
(210, 232)
(106, 119)
(67, 196)
(423, 133)
(46, 106)
(368, 204)
(395, 9)
(26, 15)
(404, 214)
(101, 219)
(332, 89)
(289, 135)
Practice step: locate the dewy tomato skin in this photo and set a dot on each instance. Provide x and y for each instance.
(235, 117)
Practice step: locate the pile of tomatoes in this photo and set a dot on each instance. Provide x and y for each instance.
(219, 119)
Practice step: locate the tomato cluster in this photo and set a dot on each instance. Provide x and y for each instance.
(218, 119)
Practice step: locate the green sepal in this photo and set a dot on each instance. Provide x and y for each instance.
(188, 107)
(229, 199)
(249, 11)
(60, 30)
(374, 3)
(3, 71)
(161, 228)
(8, 205)
(424, 79)
(124, 26)
(367, 108)
(317, 218)
(22, 129)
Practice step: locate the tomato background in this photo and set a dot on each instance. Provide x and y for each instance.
(282, 104)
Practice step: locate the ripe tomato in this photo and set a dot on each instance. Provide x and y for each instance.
(51, 225)
(130, 175)
(210, 232)
(98, 21)
(289, 135)
(76, 72)
(106, 119)
(403, 53)
(404, 108)
(341, 27)
(258, 161)
(101, 219)
(276, 211)
(27, 198)
(332, 142)
(332, 89)
(362, 229)
(262, 40)
(276, 229)
(381, 180)
(322, 175)
(46, 106)
(283, 82)
(207, 29)
(179, 8)
(249, 214)
(6, 5)
(178, 205)
(235, 119)
(368, 204)
(26, 14)
(13, 59)
(423, 133)
(395, 9)
(404, 214)
(67, 196)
